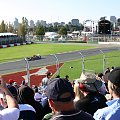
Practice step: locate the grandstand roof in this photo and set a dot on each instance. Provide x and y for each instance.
(7, 34)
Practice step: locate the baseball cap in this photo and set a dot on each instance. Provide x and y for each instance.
(59, 89)
(11, 81)
(114, 76)
(89, 82)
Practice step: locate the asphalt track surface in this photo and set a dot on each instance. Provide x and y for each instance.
(15, 66)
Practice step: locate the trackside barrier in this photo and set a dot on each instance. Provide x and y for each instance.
(84, 61)
(12, 45)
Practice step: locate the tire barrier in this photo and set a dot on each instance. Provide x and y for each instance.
(12, 45)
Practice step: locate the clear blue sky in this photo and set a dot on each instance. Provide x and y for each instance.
(58, 10)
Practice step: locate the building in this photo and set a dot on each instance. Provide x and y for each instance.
(104, 27)
(75, 22)
(113, 19)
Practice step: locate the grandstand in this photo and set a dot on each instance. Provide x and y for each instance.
(10, 38)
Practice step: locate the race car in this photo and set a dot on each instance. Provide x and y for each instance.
(34, 57)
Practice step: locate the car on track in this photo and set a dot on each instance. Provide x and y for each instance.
(34, 57)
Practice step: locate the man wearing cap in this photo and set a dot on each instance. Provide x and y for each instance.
(60, 97)
(92, 100)
(112, 112)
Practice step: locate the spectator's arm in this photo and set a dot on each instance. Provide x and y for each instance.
(11, 102)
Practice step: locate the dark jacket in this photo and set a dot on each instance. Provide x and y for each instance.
(72, 115)
(26, 96)
(91, 103)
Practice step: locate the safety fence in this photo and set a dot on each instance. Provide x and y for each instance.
(78, 62)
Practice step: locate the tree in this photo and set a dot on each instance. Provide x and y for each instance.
(40, 31)
(63, 31)
(22, 29)
(10, 28)
(2, 27)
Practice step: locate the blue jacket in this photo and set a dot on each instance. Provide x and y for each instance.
(112, 112)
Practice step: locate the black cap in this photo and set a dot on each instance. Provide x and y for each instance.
(114, 76)
(59, 89)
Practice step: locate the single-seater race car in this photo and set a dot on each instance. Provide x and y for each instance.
(34, 57)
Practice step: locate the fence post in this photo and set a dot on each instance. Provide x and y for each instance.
(57, 64)
(83, 62)
(28, 71)
(104, 60)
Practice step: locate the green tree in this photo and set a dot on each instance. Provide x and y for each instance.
(22, 29)
(40, 32)
(2, 27)
(10, 28)
(63, 31)
(50, 29)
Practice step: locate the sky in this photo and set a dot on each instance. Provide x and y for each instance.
(58, 10)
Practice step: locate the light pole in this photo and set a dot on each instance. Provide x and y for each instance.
(28, 71)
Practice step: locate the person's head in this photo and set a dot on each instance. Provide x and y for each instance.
(114, 82)
(25, 95)
(49, 75)
(67, 77)
(112, 67)
(36, 90)
(100, 75)
(58, 76)
(107, 70)
(16, 85)
(60, 94)
(11, 81)
(13, 90)
(89, 83)
(78, 93)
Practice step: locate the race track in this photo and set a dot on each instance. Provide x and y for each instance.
(20, 65)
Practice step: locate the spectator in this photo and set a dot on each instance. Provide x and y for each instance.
(112, 112)
(58, 76)
(78, 93)
(16, 85)
(26, 96)
(103, 90)
(27, 112)
(11, 81)
(46, 79)
(60, 97)
(92, 99)
(67, 77)
(107, 70)
(12, 89)
(44, 102)
(105, 79)
(37, 95)
(112, 68)
(12, 112)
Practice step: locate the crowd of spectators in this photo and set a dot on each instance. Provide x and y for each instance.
(91, 97)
